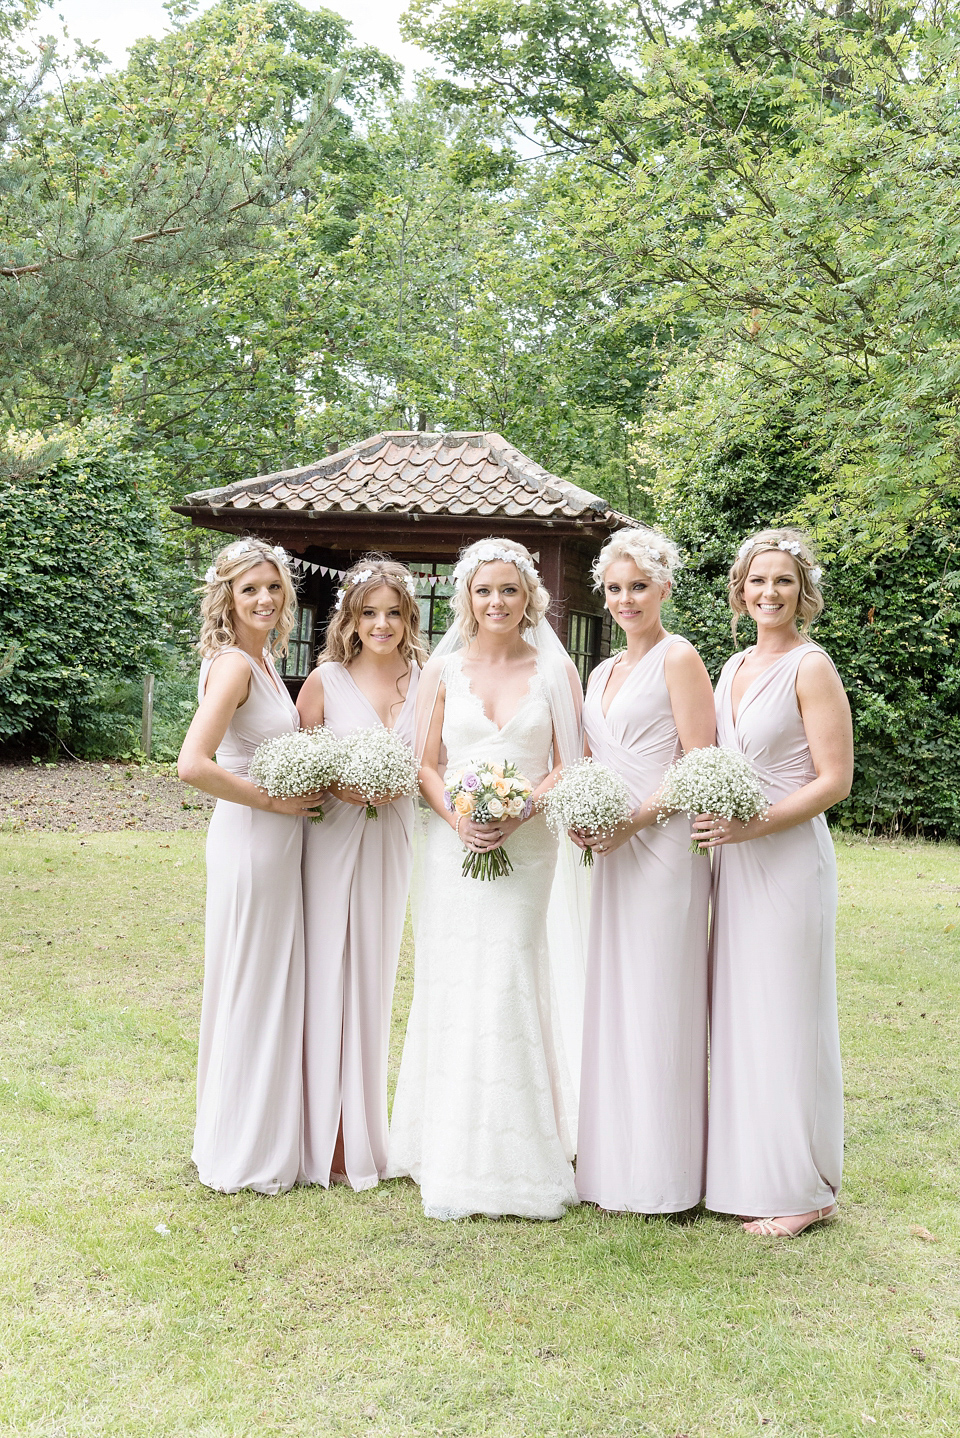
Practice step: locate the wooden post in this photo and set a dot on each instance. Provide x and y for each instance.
(551, 572)
(146, 723)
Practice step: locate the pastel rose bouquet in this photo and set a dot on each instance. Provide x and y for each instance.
(377, 761)
(715, 780)
(487, 793)
(590, 797)
(305, 761)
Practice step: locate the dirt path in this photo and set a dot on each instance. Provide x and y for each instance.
(97, 798)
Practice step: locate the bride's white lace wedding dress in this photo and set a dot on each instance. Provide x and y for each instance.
(485, 1110)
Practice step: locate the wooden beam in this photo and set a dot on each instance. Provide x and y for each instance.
(551, 572)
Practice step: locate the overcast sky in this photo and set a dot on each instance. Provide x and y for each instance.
(114, 24)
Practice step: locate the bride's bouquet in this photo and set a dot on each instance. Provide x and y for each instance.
(377, 761)
(487, 793)
(590, 797)
(304, 761)
(716, 780)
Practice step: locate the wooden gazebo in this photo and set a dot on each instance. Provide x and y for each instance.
(421, 497)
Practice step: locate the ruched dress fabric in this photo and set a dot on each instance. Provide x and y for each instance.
(356, 876)
(251, 1023)
(483, 1118)
(775, 1144)
(643, 1078)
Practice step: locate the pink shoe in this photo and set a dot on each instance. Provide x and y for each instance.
(773, 1228)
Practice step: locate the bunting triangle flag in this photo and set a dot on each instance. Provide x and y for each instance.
(323, 569)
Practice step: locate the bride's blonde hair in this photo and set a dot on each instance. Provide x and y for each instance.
(488, 551)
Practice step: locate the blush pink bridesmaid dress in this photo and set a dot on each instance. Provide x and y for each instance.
(775, 1143)
(251, 1023)
(356, 876)
(643, 1084)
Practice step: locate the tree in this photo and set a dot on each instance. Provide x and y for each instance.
(456, 307)
(118, 190)
(775, 191)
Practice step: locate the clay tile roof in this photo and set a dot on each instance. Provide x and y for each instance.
(466, 473)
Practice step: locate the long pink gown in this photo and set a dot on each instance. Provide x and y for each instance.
(776, 1094)
(643, 1083)
(356, 875)
(248, 1075)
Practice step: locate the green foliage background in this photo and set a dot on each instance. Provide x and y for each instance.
(81, 577)
(891, 624)
(702, 260)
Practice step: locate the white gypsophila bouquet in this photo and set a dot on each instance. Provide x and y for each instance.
(590, 797)
(305, 761)
(716, 780)
(377, 761)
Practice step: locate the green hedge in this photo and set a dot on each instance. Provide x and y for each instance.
(891, 625)
(81, 567)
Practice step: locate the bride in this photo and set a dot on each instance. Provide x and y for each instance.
(484, 1118)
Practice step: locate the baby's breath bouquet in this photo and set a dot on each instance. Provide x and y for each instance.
(717, 781)
(304, 761)
(377, 761)
(487, 793)
(590, 797)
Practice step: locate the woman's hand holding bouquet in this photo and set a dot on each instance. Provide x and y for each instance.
(490, 801)
(296, 769)
(592, 804)
(721, 791)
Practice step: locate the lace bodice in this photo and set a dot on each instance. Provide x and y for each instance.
(470, 736)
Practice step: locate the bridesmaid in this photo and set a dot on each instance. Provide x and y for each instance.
(248, 1080)
(776, 1098)
(643, 1088)
(356, 874)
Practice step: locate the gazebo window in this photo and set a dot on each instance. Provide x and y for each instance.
(584, 642)
(434, 595)
(298, 660)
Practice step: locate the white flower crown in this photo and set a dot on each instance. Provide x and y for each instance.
(234, 550)
(361, 577)
(789, 546)
(482, 554)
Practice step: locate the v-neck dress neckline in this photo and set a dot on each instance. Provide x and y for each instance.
(747, 693)
(531, 685)
(369, 703)
(641, 662)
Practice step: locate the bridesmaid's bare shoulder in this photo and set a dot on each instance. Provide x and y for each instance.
(683, 659)
(228, 675)
(816, 673)
(313, 684)
(310, 700)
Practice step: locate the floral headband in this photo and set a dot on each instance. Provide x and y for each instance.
(361, 577)
(235, 550)
(789, 546)
(483, 554)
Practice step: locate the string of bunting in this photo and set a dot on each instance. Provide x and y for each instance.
(338, 574)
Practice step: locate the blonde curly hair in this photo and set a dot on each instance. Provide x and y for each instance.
(653, 553)
(489, 551)
(217, 603)
(796, 545)
(342, 641)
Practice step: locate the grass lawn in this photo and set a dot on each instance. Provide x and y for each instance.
(342, 1313)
